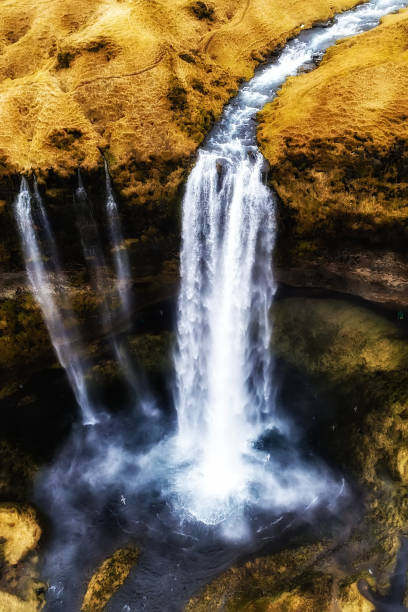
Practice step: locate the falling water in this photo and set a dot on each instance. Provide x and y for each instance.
(93, 253)
(101, 276)
(224, 395)
(58, 318)
(120, 254)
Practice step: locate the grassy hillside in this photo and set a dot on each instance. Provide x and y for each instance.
(337, 138)
(141, 80)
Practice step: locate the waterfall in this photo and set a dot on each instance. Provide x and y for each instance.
(59, 319)
(223, 361)
(120, 254)
(224, 394)
(105, 287)
(223, 357)
(93, 253)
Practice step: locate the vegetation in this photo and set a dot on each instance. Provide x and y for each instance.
(337, 138)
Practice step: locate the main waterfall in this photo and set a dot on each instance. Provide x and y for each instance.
(223, 362)
(224, 394)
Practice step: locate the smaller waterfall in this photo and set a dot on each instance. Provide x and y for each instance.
(93, 253)
(120, 254)
(60, 321)
(106, 287)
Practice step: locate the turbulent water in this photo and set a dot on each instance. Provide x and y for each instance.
(234, 474)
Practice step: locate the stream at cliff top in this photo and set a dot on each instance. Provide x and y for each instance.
(227, 472)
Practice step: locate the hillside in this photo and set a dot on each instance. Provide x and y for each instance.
(141, 81)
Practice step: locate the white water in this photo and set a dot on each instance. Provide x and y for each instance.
(58, 316)
(224, 394)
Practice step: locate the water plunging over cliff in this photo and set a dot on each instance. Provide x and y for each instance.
(47, 279)
(59, 319)
(100, 273)
(120, 254)
(231, 457)
(224, 394)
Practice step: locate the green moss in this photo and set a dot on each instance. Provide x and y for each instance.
(153, 351)
(23, 337)
(277, 581)
(337, 340)
(85, 304)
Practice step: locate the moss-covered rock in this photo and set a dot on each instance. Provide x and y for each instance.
(108, 578)
(153, 351)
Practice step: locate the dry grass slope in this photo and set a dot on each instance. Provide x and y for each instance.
(140, 80)
(337, 138)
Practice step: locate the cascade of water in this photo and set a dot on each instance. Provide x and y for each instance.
(93, 253)
(120, 254)
(95, 259)
(123, 284)
(224, 395)
(60, 321)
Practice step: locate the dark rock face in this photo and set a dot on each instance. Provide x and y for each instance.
(376, 275)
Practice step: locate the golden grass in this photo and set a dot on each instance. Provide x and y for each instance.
(140, 80)
(20, 530)
(11, 603)
(335, 136)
